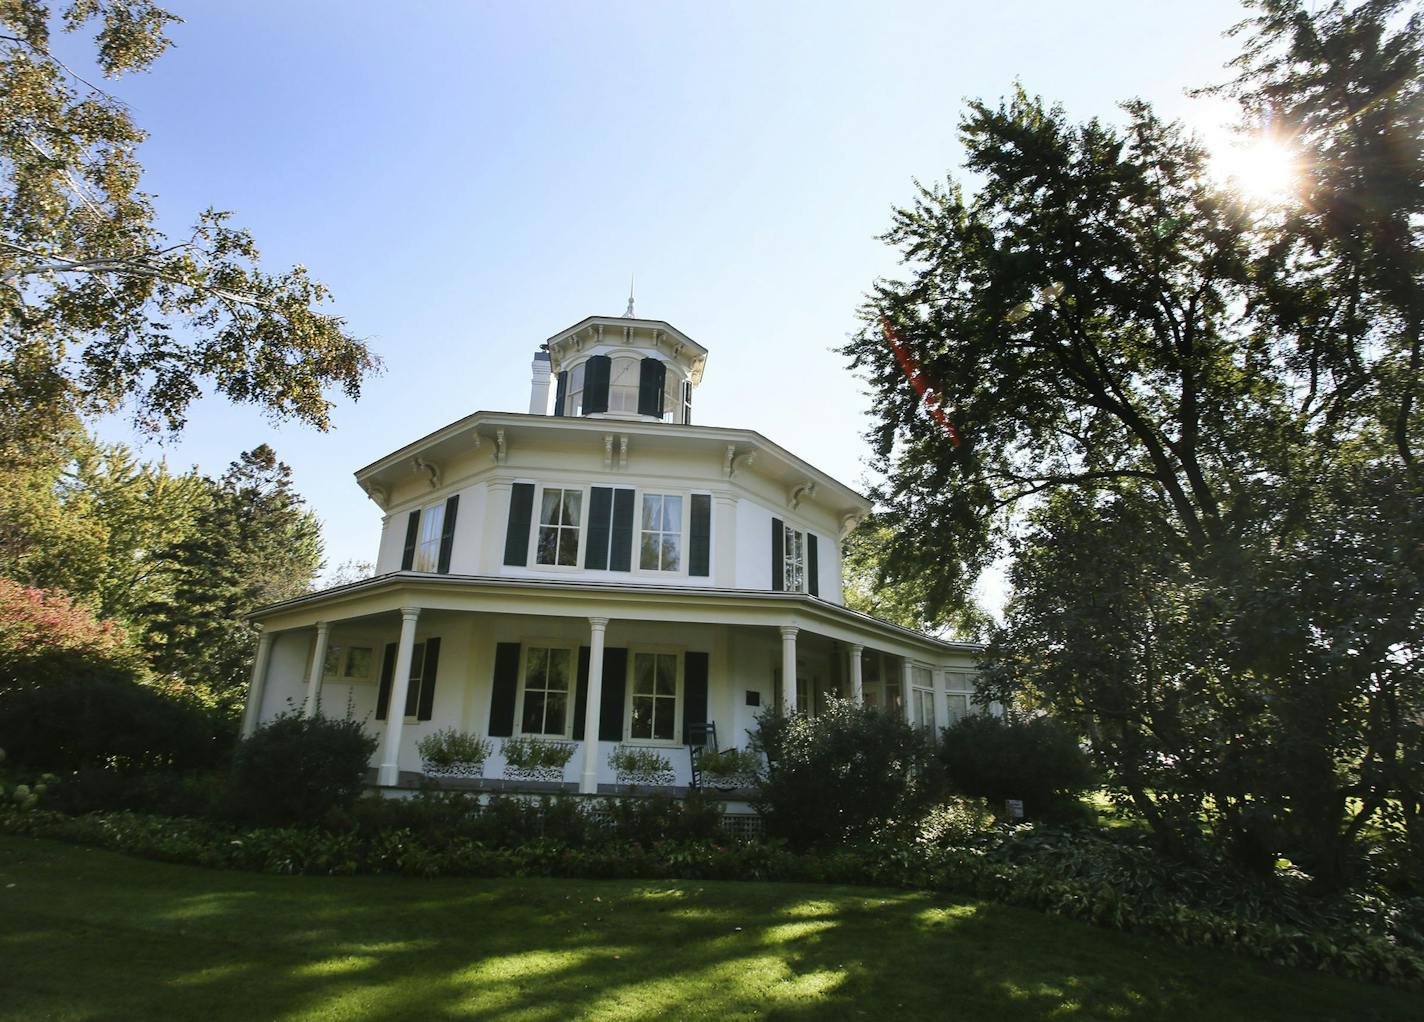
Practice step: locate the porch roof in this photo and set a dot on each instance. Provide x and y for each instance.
(566, 598)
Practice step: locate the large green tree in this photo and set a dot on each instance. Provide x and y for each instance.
(1192, 420)
(98, 307)
(254, 543)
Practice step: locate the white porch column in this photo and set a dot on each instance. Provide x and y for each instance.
(941, 699)
(857, 684)
(312, 706)
(588, 777)
(788, 668)
(258, 687)
(905, 690)
(389, 771)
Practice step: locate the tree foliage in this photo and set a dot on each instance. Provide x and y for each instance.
(97, 306)
(1192, 420)
(254, 543)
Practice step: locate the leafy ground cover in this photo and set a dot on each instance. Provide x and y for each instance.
(87, 934)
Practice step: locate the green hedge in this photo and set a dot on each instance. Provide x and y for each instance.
(1098, 883)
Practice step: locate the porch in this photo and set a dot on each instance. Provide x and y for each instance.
(593, 673)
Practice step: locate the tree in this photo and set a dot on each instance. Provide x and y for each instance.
(1187, 417)
(869, 589)
(255, 543)
(97, 306)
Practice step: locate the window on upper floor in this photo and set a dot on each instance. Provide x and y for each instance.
(793, 560)
(672, 396)
(652, 709)
(547, 696)
(623, 380)
(661, 548)
(427, 545)
(573, 403)
(559, 519)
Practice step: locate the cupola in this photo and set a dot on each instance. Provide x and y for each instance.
(619, 367)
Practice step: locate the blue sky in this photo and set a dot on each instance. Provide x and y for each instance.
(471, 178)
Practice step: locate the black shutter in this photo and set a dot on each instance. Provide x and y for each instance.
(447, 534)
(620, 555)
(388, 673)
(427, 680)
(615, 680)
(412, 692)
(778, 537)
(813, 566)
(694, 693)
(652, 374)
(412, 533)
(561, 393)
(516, 535)
(600, 512)
(699, 555)
(595, 384)
(503, 690)
(581, 695)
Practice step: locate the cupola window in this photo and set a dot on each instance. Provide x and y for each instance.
(623, 385)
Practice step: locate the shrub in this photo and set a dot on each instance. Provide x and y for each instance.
(844, 774)
(450, 747)
(42, 631)
(167, 793)
(99, 715)
(297, 769)
(1035, 759)
(955, 823)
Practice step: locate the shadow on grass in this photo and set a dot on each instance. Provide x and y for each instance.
(87, 934)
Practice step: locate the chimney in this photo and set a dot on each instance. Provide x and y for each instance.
(539, 387)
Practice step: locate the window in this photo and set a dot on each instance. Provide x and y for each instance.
(880, 681)
(623, 377)
(427, 543)
(559, 527)
(922, 697)
(672, 396)
(352, 663)
(417, 676)
(793, 560)
(961, 691)
(653, 708)
(662, 533)
(687, 402)
(548, 682)
(573, 401)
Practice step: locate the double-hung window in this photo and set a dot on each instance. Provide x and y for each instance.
(793, 560)
(661, 548)
(922, 696)
(427, 543)
(548, 691)
(623, 379)
(960, 695)
(652, 712)
(573, 402)
(559, 516)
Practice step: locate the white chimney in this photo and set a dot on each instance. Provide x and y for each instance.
(539, 387)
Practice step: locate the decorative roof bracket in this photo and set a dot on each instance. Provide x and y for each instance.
(802, 492)
(430, 468)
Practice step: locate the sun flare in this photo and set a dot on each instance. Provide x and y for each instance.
(1263, 169)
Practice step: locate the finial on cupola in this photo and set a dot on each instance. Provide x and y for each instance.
(629, 313)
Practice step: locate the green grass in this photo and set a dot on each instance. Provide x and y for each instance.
(87, 934)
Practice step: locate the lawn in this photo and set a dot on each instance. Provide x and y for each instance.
(88, 934)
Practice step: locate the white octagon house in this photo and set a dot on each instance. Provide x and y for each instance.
(600, 571)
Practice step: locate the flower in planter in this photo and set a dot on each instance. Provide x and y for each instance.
(633, 765)
(536, 759)
(452, 752)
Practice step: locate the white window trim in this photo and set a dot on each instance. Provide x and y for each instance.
(656, 743)
(524, 646)
(791, 527)
(532, 560)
